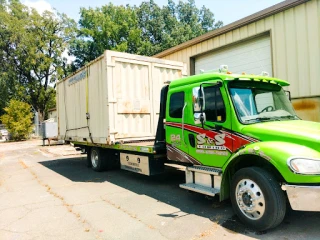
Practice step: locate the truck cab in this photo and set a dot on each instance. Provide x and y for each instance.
(240, 138)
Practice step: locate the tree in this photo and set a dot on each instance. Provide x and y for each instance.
(146, 29)
(31, 53)
(18, 119)
(152, 24)
(109, 27)
(173, 24)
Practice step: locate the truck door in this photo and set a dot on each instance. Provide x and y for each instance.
(176, 138)
(208, 141)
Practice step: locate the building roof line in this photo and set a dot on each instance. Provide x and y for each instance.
(282, 6)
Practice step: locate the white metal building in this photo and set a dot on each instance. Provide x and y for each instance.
(283, 40)
(52, 114)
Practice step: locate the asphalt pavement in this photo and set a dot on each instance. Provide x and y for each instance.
(49, 193)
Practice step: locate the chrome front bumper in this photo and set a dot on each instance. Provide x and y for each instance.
(303, 198)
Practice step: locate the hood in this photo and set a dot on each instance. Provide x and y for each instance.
(301, 132)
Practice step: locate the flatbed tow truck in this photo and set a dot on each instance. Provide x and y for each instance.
(239, 138)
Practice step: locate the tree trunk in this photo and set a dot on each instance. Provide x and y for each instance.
(41, 116)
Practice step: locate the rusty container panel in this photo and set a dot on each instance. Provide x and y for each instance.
(113, 99)
(307, 108)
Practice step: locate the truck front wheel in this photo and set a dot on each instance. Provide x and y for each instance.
(257, 198)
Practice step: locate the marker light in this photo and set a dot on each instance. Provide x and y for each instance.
(265, 74)
(304, 166)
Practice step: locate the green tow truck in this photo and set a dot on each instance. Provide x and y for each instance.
(238, 136)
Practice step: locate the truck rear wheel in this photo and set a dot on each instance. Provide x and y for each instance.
(88, 163)
(98, 159)
(257, 198)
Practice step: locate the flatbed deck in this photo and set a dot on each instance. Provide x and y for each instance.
(145, 146)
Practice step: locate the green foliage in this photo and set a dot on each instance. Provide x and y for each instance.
(109, 27)
(18, 119)
(31, 54)
(32, 45)
(146, 30)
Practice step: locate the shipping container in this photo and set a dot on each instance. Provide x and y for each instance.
(114, 98)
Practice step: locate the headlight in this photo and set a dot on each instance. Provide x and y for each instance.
(304, 166)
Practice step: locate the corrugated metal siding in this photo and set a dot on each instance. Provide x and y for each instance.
(97, 102)
(53, 114)
(120, 92)
(307, 108)
(133, 99)
(72, 98)
(134, 90)
(295, 41)
(160, 74)
(252, 56)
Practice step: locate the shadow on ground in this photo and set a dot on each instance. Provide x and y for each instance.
(165, 188)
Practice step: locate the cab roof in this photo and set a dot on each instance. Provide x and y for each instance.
(225, 77)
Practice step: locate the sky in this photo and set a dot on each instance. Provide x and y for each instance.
(227, 11)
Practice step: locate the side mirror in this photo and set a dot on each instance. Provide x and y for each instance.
(202, 99)
(288, 94)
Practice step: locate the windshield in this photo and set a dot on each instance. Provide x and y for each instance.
(260, 101)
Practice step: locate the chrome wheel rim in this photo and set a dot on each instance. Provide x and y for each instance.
(94, 158)
(250, 199)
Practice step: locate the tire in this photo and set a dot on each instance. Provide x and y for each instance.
(98, 159)
(267, 208)
(88, 162)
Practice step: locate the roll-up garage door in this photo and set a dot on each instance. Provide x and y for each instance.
(252, 57)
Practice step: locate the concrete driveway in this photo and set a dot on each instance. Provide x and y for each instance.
(49, 193)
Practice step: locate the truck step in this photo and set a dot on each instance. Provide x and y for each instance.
(203, 169)
(200, 189)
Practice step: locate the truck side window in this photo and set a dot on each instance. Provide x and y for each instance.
(215, 109)
(176, 105)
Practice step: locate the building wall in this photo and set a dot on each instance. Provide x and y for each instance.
(307, 108)
(53, 114)
(295, 43)
(295, 40)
